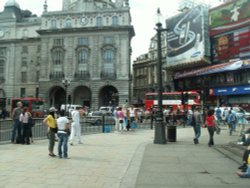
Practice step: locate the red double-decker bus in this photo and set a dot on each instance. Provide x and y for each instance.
(173, 99)
(34, 105)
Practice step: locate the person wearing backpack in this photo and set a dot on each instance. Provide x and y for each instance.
(231, 120)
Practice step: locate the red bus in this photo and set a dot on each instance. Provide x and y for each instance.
(34, 105)
(173, 99)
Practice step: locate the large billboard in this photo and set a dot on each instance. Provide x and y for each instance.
(188, 38)
(230, 16)
(231, 45)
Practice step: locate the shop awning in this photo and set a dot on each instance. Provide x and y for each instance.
(223, 67)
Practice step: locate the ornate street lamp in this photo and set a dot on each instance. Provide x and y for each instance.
(66, 84)
(160, 134)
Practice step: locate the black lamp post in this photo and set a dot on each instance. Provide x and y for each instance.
(160, 134)
(66, 84)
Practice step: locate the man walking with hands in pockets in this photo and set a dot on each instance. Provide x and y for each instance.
(75, 126)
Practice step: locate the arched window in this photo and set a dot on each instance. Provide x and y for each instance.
(83, 56)
(68, 23)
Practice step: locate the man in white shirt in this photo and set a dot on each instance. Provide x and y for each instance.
(62, 125)
(75, 126)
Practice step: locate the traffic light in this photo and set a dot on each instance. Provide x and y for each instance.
(186, 98)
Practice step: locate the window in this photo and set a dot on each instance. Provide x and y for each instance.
(24, 77)
(25, 49)
(108, 56)
(37, 76)
(53, 24)
(57, 56)
(58, 42)
(99, 21)
(24, 62)
(23, 93)
(68, 23)
(1, 69)
(37, 92)
(83, 41)
(83, 56)
(108, 40)
(114, 20)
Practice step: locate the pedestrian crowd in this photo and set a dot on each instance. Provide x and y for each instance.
(129, 118)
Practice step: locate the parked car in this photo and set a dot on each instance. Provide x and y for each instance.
(96, 118)
(106, 109)
(70, 107)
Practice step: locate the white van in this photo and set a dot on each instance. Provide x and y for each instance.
(70, 107)
(106, 109)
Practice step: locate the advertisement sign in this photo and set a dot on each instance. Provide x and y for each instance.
(232, 90)
(188, 38)
(232, 45)
(229, 16)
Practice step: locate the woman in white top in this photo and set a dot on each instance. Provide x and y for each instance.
(24, 119)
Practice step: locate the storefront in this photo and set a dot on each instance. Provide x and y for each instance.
(233, 95)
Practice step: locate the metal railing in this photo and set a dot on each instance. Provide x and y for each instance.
(89, 125)
(98, 124)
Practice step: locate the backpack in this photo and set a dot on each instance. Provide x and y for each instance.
(31, 121)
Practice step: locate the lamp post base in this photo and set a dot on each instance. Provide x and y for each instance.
(160, 133)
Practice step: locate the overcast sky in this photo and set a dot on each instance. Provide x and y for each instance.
(143, 17)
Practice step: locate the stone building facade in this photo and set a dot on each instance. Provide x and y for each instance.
(87, 43)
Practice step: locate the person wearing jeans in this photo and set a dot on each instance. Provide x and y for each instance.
(197, 125)
(210, 122)
(63, 125)
(16, 123)
(231, 120)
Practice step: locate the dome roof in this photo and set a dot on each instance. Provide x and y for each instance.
(11, 3)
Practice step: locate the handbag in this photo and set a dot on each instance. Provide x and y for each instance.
(217, 129)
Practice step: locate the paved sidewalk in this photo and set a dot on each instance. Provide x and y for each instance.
(121, 161)
(185, 165)
(103, 161)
